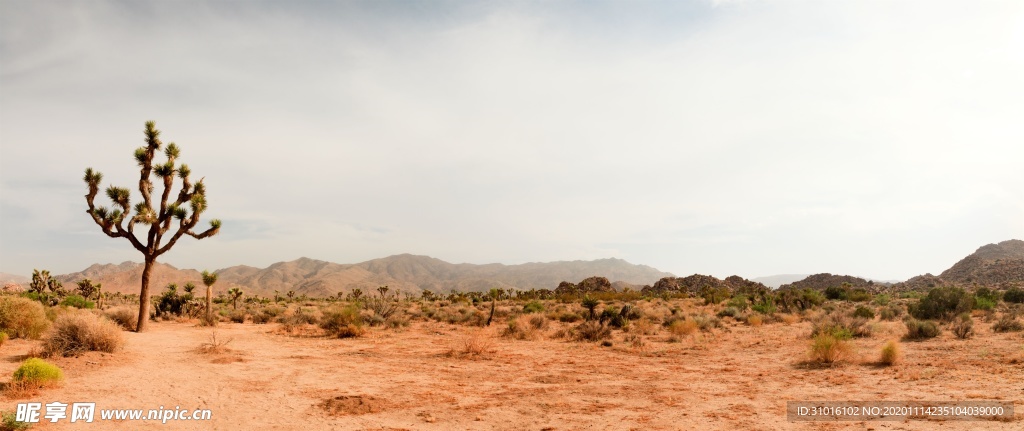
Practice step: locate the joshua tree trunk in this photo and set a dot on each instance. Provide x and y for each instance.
(209, 303)
(144, 295)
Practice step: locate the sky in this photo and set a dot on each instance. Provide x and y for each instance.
(871, 138)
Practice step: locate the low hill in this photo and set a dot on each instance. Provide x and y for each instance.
(402, 273)
(825, 280)
(993, 265)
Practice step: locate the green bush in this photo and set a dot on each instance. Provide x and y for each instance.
(943, 303)
(533, 307)
(891, 313)
(9, 422)
(883, 299)
(836, 293)
(859, 295)
(730, 312)
(343, 322)
(77, 301)
(37, 373)
(739, 302)
(22, 317)
(766, 307)
(1014, 295)
(864, 312)
(921, 329)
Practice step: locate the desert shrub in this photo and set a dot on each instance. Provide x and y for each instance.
(921, 329)
(683, 327)
(397, 320)
(882, 299)
(706, 322)
(891, 313)
(730, 312)
(22, 317)
(1014, 295)
(568, 317)
(3, 338)
(125, 317)
(943, 303)
(755, 320)
(520, 328)
(293, 318)
(859, 295)
(539, 322)
(841, 326)
(829, 350)
(766, 307)
(615, 317)
(836, 293)
(963, 327)
(74, 333)
(739, 302)
(645, 327)
(891, 353)
(9, 422)
(37, 373)
(237, 316)
(267, 314)
(533, 307)
(77, 301)
(1007, 323)
(635, 341)
(591, 331)
(982, 303)
(343, 322)
(864, 312)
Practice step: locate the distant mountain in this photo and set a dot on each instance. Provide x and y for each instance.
(997, 265)
(12, 278)
(404, 272)
(774, 281)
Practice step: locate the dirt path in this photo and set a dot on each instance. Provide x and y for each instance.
(738, 379)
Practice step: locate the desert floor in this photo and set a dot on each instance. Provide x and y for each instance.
(738, 378)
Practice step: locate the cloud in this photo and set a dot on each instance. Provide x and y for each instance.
(692, 136)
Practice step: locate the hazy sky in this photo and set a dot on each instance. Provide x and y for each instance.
(882, 139)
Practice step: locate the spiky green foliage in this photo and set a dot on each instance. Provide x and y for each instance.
(234, 293)
(156, 212)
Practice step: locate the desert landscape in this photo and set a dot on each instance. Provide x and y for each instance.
(674, 355)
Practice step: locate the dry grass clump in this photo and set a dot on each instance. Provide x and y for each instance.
(645, 327)
(755, 320)
(1008, 323)
(683, 327)
(297, 317)
(891, 353)
(22, 317)
(475, 344)
(74, 333)
(827, 349)
(788, 319)
(125, 317)
(526, 327)
(841, 326)
(963, 327)
(591, 331)
(215, 346)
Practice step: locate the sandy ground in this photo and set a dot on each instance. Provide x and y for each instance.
(737, 379)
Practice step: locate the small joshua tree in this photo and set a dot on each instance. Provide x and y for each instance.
(158, 215)
(234, 293)
(208, 279)
(87, 289)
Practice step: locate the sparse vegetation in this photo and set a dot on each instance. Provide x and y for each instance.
(36, 373)
(963, 327)
(1008, 323)
(9, 422)
(827, 349)
(123, 316)
(22, 317)
(891, 353)
(864, 312)
(344, 322)
(921, 329)
(78, 332)
(1014, 295)
(943, 303)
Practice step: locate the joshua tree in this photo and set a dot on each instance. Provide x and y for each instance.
(158, 218)
(208, 279)
(190, 287)
(41, 281)
(87, 289)
(234, 293)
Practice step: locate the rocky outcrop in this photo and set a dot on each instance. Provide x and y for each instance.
(825, 280)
